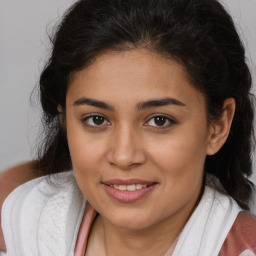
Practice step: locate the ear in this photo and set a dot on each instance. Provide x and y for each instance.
(61, 117)
(59, 108)
(220, 127)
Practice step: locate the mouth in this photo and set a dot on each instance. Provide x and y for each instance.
(128, 190)
(131, 187)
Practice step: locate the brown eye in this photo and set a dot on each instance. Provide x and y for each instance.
(160, 121)
(95, 120)
(98, 120)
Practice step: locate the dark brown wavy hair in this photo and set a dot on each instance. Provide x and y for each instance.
(199, 34)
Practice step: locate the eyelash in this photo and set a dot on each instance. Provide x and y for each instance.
(168, 119)
(171, 121)
(85, 120)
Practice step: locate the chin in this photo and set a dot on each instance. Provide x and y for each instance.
(133, 221)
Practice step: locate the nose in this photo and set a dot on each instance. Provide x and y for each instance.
(126, 150)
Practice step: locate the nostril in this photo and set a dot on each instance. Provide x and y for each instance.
(125, 152)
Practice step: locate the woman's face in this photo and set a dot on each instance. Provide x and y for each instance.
(138, 136)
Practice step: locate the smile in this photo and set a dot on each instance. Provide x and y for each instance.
(132, 187)
(128, 191)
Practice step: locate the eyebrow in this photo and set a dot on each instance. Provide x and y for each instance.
(93, 102)
(139, 106)
(159, 103)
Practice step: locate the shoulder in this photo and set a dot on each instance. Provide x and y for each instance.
(39, 212)
(11, 179)
(14, 177)
(241, 239)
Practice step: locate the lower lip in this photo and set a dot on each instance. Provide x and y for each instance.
(128, 196)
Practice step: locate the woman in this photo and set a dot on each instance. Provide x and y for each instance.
(148, 102)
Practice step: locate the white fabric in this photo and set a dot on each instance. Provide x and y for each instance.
(207, 228)
(40, 219)
(43, 219)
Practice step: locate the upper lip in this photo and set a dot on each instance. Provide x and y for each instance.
(127, 182)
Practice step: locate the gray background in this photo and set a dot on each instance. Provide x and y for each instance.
(24, 48)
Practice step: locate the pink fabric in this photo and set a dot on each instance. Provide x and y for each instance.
(242, 236)
(241, 239)
(85, 227)
(84, 231)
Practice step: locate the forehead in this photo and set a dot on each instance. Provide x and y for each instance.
(138, 74)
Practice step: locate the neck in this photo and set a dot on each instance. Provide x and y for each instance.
(151, 241)
(107, 239)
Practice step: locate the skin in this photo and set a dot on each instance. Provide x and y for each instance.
(131, 147)
(130, 144)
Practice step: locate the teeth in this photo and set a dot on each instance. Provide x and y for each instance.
(139, 186)
(122, 187)
(131, 187)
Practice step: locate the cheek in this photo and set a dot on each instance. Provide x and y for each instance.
(85, 156)
(181, 162)
(181, 154)
(85, 151)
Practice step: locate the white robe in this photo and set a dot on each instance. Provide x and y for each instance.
(40, 218)
(43, 219)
